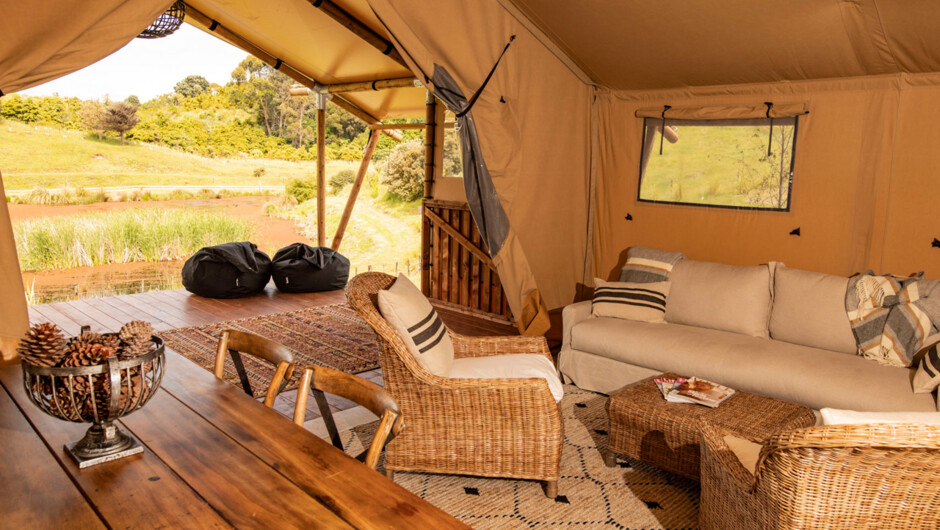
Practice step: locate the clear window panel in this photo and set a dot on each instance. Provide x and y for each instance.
(719, 163)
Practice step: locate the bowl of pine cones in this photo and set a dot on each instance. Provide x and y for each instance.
(93, 378)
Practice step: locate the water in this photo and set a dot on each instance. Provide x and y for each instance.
(104, 280)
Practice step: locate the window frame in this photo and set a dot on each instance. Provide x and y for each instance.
(640, 174)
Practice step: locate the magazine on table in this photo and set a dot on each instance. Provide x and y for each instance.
(693, 390)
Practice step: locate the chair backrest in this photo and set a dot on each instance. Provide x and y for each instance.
(319, 379)
(237, 342)
(856, 472)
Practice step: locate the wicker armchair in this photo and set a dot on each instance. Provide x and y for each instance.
(839, 476)
(485, 427)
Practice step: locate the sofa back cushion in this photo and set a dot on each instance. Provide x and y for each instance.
(809, 309)
(717, 296)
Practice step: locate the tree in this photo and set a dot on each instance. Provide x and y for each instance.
(120, 117)
(404, 170)
(133, 100)
(92, 117)
(191, 86)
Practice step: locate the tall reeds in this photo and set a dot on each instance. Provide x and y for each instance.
(122, 237)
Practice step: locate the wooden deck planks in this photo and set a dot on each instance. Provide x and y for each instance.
(177, 308)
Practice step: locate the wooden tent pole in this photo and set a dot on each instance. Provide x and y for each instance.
(358, 28)
(429, 126)
(430, 135)
(403, 126)
(354, 192)
(321, 170)
(359, 86)
(288, 70)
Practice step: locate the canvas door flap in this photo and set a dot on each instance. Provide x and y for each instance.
(725, 112)
(46, 40)
(522, 294)
(13, 301)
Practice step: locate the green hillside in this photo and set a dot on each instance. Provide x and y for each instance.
(52, 157)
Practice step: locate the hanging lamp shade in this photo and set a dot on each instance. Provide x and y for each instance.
(168, 22)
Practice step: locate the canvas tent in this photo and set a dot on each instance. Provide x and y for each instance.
(558, 126)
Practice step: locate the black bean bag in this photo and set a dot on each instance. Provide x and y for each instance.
(231, 270)
(300, 268)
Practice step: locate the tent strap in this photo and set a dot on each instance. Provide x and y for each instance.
(473, 99)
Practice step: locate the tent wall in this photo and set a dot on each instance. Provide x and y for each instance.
(865, 178)
(534, 144)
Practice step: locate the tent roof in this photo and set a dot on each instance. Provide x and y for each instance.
(320, 47)
(635, 45)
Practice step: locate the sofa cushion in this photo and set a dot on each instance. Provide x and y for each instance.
(418, 324)
(809, 309)
(852, 417)
(510, 366)
(717, 296)
(810, 376)
(645, 302)
(747, 451)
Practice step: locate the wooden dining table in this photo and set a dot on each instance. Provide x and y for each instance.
(213, 458)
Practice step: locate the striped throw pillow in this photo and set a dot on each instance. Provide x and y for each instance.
(927, 376)
(418, 324)
(645, 302)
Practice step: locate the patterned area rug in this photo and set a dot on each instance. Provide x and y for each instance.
(591, 495)
(331, 335)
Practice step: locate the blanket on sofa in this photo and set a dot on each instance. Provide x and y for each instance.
(648, 265)
(892, 317)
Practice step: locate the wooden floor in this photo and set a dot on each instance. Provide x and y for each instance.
(178, 308)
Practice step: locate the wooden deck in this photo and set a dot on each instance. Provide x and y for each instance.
(178, 308)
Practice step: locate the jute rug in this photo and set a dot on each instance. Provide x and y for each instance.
(591, 495)
(331, 335)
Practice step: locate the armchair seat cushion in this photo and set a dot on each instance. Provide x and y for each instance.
(746, 451)
(512, 366)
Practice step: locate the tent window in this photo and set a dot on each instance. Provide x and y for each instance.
(719, 163)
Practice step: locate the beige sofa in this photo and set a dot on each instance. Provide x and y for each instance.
(767, 329)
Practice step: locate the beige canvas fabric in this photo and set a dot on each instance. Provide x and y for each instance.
(534, 125)
(809, 309)
(852, 417)
(46, 40)
(13, 302)
(418, 324)
(816, 378)
(309, 40)
(718, 296)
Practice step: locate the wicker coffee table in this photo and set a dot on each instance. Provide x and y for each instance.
(646, 427)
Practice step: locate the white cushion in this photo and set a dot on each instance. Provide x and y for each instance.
(717, 296)
(512, 366)
(645, 302)
(851, 417)
(410, 313)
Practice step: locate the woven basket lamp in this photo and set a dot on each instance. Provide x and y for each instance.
(168, 22)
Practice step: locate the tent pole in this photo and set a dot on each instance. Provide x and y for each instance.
(321, 170)
(288, 70)
(354, 192)
(359, 86)
(358, 28)
(429, 134)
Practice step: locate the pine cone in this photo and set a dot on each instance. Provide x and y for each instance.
(102, 399)
(83, 353)
(43, 345)
(136, 339)
(110, 340)
(85, 339)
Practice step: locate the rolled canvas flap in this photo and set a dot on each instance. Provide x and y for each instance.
(15, 319)
(721, 112)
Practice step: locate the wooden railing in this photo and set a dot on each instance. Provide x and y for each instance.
(456, 267)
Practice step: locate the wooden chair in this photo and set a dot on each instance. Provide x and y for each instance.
(319, 379)
(485, 427)
(238, 342)
(837, 476)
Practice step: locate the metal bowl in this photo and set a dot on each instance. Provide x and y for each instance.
(99, 395)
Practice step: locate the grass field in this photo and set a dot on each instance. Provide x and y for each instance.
(714, 165)
(121, 237)
(34, 156)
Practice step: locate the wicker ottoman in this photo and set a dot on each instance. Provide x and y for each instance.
(646, 427)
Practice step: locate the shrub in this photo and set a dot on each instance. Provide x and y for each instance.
(301, 190)
(404, 171)
(341, 179)
(39, 196)
(281, 203)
